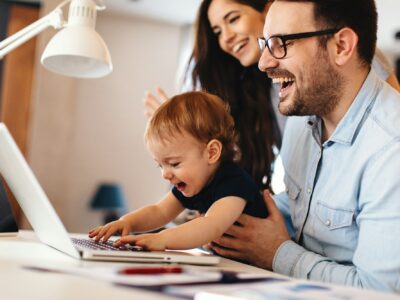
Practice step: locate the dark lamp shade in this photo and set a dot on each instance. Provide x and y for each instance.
(108, 197)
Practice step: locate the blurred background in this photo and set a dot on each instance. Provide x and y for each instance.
(81, 134)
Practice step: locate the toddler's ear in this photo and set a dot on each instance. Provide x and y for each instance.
(214, 149)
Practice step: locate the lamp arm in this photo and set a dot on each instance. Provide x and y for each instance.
(53, 19)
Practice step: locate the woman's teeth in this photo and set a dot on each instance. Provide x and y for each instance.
(238, 46)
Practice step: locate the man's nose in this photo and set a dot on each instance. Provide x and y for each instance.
(267, 61)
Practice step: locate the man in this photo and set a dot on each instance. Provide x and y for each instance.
(341, 155)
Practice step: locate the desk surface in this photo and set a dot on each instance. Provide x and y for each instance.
(16, 282)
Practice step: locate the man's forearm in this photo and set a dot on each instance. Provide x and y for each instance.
(295, 261)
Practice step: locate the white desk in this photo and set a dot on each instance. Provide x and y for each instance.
(17, 282)
(25, 250)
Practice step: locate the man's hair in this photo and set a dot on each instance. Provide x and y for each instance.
(202, 115)
(359, 15)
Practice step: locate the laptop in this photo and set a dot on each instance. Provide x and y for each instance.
(8, 226)
(49, 228)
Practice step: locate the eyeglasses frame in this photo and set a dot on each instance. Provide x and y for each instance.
(263, 43)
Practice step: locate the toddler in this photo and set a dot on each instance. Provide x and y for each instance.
(192, 139)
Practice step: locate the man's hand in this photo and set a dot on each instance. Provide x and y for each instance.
(255, 240)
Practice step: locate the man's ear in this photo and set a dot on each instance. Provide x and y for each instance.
(214, 150)
(345, 45)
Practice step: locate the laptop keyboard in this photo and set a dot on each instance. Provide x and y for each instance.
(93, 245)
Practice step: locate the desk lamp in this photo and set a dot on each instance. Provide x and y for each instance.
(77, 50)
(110, 199)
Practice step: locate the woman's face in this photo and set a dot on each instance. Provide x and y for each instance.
(237, 27)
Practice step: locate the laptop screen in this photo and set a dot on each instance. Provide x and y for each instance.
(7, 221)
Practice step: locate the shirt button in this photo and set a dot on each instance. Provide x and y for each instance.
(309, 190)
(328, 222)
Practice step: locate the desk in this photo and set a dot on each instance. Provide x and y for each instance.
(17, 282)
(25, 250)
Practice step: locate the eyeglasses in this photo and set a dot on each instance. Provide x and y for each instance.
(277, 46)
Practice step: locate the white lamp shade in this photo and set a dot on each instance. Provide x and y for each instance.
(77, 51)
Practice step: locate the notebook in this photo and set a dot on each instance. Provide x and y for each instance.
(8, 226)
(48, 226)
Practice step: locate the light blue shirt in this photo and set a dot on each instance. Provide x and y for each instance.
(343, 197)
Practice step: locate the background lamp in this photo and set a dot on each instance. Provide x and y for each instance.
(77, 50)
(110, 199)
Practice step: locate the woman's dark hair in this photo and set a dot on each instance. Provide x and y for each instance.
(246, 90)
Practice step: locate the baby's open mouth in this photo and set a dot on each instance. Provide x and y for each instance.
(181, 186)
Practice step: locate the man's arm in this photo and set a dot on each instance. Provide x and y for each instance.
(376, 260)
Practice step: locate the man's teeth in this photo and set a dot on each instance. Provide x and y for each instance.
(238, 46)
(282, 80)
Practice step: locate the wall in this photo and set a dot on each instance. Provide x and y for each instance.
(87, 131)
(388, 25)
(84, 132)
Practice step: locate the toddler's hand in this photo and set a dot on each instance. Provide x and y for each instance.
(104, 232)
(149, 241)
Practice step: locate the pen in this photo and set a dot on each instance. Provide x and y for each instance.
(150, 270)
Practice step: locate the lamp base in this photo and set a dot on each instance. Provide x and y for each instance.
(110, 216)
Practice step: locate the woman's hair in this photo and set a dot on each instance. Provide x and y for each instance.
(202, 115)
(246, 90)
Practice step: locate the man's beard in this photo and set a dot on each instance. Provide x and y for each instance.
(321, 92)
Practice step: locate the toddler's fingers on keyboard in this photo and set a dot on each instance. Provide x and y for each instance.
(93, 232)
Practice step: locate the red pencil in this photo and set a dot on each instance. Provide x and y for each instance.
(150, 270)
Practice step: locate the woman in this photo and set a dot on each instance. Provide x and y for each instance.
(224, 61)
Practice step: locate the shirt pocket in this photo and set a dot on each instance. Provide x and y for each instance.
(334, 218)
(336, 231)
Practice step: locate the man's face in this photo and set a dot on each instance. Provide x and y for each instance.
(309, 83)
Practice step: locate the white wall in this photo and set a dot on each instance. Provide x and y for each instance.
(388, 25)
(88, 131)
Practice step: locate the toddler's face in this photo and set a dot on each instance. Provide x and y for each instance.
(183, 161)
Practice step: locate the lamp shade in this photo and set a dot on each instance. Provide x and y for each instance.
(108, 197)
(77, 51)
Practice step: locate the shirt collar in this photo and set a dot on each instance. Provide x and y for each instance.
(347, 127)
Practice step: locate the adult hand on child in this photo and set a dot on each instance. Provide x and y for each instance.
(151, 102)
(255, 240)
(149, 241)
